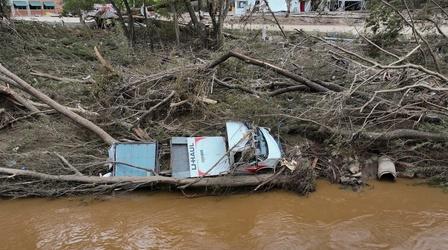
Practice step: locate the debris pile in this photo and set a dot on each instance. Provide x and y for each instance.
(328, 102)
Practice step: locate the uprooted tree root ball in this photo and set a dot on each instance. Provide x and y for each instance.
(331, 105)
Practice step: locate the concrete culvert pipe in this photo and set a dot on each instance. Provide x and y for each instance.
(386, 169)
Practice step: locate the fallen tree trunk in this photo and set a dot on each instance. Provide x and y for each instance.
(79, 110)
(8, 81)
(23, 101)
(405, 134)
(315, 85)
(61, 79)
(58, 107)
(300, 79)
(32, 106)
(26, 183)
(311, 128)
(273, 93)
(277, 92)
(103, 61)
(219, 181)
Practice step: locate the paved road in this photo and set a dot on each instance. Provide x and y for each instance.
(352, 29)
(322, 28)
(50, 19)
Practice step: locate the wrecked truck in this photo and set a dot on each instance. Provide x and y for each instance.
(244, 150)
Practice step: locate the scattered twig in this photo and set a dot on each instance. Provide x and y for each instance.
(440, 7)
(378, 47)
(378, 65)
(66, 163)
(437, 27)
(415, 30)
(270, 179)
(9, 123)
(144, 115)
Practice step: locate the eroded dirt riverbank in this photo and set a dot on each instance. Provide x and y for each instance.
(383, 216)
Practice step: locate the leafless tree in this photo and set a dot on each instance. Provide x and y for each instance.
(129, 27)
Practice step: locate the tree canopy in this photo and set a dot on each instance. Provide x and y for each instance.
(75, 6)
(4, 9)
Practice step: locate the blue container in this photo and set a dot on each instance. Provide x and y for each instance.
(134, 158)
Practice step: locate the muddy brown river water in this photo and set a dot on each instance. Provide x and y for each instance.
(382, 216)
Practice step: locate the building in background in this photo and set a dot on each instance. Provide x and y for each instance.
(243, 7)
(351, 5)
(300, 6)
(36, 7)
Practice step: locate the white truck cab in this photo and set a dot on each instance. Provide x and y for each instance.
(245, 150)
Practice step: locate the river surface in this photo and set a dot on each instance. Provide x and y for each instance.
(382, 216)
